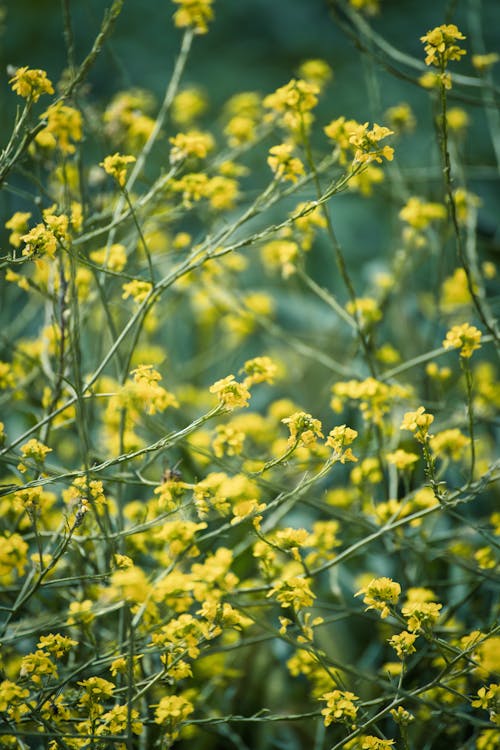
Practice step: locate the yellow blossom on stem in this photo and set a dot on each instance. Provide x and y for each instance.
(379, 594)
(231, 394)
(116, 166)
(259, 370)
(366, 143)
(339, 438)
(403, 642)
(195, 14)
(171, 712)
(31, 83)
(136, 289)
(440, 45)
(303, 428)
(339, 707)
(482, 63)
(39, 241)
(192, 143)
(283, 164)
(421, 615)
(418, 422)
(465, 337)
(402, 459)
(18, 224)
(292, 592)
(63, 128)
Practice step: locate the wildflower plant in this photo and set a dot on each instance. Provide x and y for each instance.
(249, 488)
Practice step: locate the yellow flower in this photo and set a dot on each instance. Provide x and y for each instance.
(63, 129)
(231, 394)
(304, 429)
(194, 13)
(193, 143)
(418, 422)
(18, 223)
(113, 257)
(292, 592)
(259, 370)
(39, 241)
(188, 105)
(116, 166)
(339, 706)
(31, 83)
(421, 615)
(401, 118)
(379, 594)
(450, 443)
(419, 214)
(483, 63)
(339, 438)
(136, 289)
(465, 337)
(402, 459)
(403, 642)
(366, 143)
(317, 72)
(440, 46)
(457, 119)
(283, 164)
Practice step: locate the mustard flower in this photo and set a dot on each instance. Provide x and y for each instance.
(450, 443)
(283, 164)
(31, 83)
(188, 105)
(36, 450)
(418, 422)
(403, 642)
(370, 7)
(339, 438)
(482, 63)
(63, 128)
(402, 459)
(366, 143)
(489, 699)
(95, 690)
(379, 594)
(419, 214)
(259, 370)
(56, 644)
(113, 257)
(292, 103)
(195, 14)
(457, 119)
(401, 118)
(13, 556)
(136, 289)
(339, 707)
(117, 721)
(421, 616)
(365, 309)
(304, 429)
(231, 394)
(18, 224)
(228, 441)
(13, 699)
(116, 166)
(293, 592)
(440, 45)
(193, 143)
(37, 666)
(39, 241)
(282, 254)
(465, 337)
(315, 71)
(171, 712)
(7, 379)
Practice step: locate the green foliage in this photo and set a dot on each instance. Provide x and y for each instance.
(248, 486)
